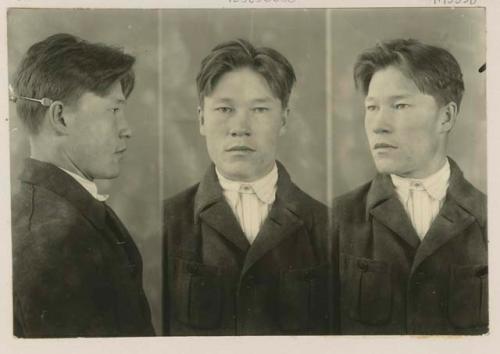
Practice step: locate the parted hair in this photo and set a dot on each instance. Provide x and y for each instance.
(62, 67)
(233, 55)
(433, 70)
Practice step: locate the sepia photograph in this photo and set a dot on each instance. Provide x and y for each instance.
(250, 174)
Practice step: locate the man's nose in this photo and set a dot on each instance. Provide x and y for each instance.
(381, 121)
(124, 129)
(240, 124)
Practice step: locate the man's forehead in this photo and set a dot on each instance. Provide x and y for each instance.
(392, 77)
(263, 98)
(391, 83)
(388, 96)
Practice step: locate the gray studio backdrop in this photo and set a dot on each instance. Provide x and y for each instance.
(324, 148)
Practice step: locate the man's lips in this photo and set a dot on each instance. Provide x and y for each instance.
(240, 148)
(121, 151)
(383, 146)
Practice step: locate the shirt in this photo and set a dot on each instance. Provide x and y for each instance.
(423, 198)
(89, 186)
(250, 201)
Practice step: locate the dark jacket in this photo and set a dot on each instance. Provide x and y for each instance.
(76, 270)
(393, 283)
(216, 283)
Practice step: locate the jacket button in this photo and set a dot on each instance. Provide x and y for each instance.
(363, 265)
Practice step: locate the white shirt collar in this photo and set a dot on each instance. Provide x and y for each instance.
(89, 186)
(435, 184)
(264, 187)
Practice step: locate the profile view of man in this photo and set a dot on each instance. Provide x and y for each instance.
(246, 251)
(76, 269)
(413, 247)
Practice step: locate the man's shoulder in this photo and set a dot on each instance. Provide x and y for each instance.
(306, 201)
(355, 198)
(470, 198)
(181, 201)
(473, 192)
(42, 219)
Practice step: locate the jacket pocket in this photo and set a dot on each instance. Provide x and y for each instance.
(468, 296)
(198, 294)
(303, 299)
(366, 290)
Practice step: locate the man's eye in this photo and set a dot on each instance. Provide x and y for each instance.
(224, 109)
(371, 108)
(399, 106)
(260, 109)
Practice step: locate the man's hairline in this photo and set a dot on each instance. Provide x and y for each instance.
(400, 67)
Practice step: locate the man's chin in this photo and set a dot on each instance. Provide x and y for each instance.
(243, 172)
(386, 167)
(108, 174)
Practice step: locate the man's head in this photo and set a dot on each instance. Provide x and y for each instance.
(243, 106)
(412, 97)
(88, 85)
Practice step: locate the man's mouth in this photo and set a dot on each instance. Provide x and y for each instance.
(240, 148)
(379, 146)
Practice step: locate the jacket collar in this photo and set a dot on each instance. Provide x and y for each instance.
(459, 189)
(466, 195)
(463, 204)
(285, 216)
(383, 204)
(381, 189)
(210, 191)
(434, 186)
(52, 178)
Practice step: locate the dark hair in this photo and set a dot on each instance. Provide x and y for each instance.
(433, 70)
(228, 56)
(63, 67)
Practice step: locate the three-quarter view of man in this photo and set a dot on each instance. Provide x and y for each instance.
(413, 245)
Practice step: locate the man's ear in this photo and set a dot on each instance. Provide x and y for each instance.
(284, 120)
(201, 121)
(56, 118)
(448, 117)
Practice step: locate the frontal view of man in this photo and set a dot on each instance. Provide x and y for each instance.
(76, 269)
(413, 240)
(246, 251)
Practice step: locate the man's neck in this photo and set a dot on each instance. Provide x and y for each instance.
(60, 159)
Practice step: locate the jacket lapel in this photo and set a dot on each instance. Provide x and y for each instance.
(283, 220)
(280, 223)
(220, 217)
(451, 220)
(383, 204)
(461, 208)
(212, 208)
